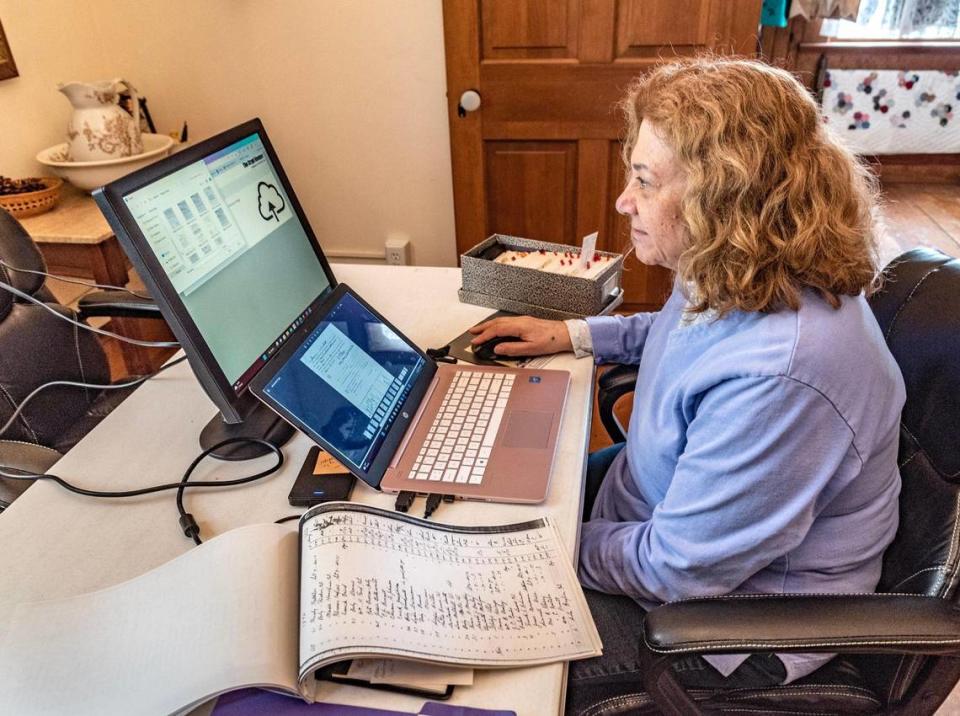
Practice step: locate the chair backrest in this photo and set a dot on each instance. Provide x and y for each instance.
(37, 347)
(918, 310)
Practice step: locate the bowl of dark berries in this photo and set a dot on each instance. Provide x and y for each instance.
(27, 197)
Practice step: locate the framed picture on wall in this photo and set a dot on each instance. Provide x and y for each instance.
(8, 68)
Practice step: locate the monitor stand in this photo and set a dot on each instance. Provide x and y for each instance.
(258, 422)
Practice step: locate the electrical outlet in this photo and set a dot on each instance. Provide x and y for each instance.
(398, 250)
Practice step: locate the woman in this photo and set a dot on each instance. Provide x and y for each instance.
(761, 452)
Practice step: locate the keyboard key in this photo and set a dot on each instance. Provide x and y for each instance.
(449, 475)
(491, 434)
(463, 474)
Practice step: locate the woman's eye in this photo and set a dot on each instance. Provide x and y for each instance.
(642, 183)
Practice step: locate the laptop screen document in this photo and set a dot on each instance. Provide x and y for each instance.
(347, 380)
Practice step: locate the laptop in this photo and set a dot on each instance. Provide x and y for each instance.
(399, 420)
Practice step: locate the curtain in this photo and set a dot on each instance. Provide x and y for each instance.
(899, 18)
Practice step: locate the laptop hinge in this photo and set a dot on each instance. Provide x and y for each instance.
(415, 422)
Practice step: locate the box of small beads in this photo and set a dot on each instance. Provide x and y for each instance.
(538, 278)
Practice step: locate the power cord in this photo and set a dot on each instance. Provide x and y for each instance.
(187, 521)
(77, 384)
(134, 341)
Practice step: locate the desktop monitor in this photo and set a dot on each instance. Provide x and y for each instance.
(221, 242)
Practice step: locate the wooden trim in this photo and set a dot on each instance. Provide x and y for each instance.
(461, 33)
(916, 47)
(597, 30)
(951, 159)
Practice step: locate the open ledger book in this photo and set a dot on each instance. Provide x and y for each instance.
(233, 613)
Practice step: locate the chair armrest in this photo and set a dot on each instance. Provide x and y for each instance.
(17, 456)
(864, 623)
(116, 304)
(613, 385)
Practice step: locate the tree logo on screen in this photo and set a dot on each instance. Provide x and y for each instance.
(270, 201)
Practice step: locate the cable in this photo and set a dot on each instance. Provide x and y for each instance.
(433, 502)
(187, 521)
(77, 384)
(51, 309)
(70, 279)
(404, 500)
(288, 518)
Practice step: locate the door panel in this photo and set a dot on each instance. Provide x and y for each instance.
(541, 157)
(650, 29)
(529, 29)
(531, 189)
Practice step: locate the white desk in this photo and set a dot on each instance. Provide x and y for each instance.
(57, 544)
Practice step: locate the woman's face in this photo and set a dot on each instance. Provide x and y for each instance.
(652, 200)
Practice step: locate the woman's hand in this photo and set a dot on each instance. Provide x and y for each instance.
(538, 337)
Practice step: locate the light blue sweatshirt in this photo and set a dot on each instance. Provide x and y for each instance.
(761, 457)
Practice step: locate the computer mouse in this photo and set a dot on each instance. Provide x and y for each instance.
(485, 351)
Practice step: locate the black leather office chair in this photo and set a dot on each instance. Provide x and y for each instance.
(37, 347)
(897, 649)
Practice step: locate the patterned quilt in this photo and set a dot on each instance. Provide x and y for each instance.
(894, 111)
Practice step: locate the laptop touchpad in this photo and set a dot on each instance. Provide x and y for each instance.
(527, 429)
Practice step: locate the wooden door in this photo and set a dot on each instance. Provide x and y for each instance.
(540, 158)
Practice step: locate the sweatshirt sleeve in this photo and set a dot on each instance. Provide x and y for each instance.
(747, 487)
(619, 339)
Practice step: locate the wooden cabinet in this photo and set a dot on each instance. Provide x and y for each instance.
(540, 157)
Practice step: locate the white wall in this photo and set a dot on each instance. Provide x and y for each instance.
(352, 93)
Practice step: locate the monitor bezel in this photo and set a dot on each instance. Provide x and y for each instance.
(405, 415)
(232, 403)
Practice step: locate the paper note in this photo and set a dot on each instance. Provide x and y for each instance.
(327, 464)
(587, 249)
(409, 673)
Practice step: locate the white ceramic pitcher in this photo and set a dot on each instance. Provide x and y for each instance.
(99, 128)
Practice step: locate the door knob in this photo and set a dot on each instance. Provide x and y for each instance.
(469, 102)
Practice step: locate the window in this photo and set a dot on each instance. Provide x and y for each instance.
(899, 19)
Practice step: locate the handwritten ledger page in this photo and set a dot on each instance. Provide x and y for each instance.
(385, 584)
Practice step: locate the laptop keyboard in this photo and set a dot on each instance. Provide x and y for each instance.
(461, 438)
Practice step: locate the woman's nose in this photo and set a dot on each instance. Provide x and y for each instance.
(624, 203)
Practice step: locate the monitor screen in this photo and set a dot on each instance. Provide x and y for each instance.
(224, 232)
(348, 379)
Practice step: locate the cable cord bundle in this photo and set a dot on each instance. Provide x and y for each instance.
(32, 299)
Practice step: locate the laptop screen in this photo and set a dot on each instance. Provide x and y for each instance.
(347, 380)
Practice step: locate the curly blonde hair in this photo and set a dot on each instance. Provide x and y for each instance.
(774, 203)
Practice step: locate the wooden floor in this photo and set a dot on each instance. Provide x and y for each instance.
(913, 215)
(923, 215)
